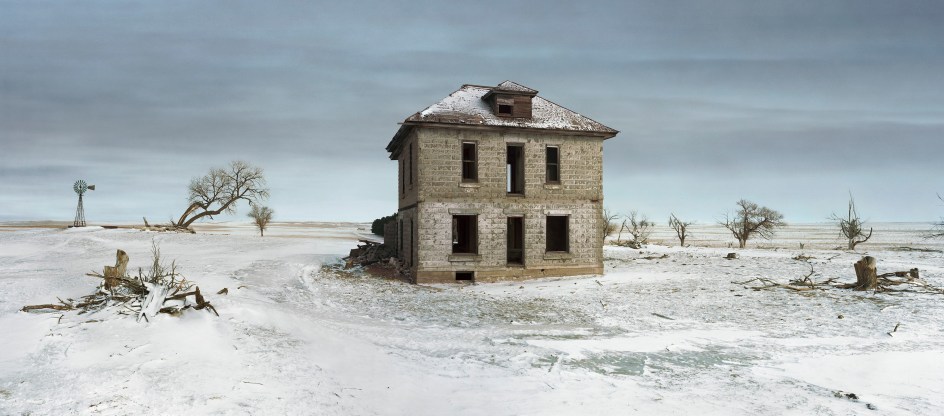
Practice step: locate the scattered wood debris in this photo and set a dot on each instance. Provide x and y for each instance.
(894, 330)
(866, 279)
(922, 250)
(161, 290)
(663, 316)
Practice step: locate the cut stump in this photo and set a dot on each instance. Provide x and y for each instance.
(114, 274)
(866, 278)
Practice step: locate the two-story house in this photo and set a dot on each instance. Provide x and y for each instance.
(497, 183)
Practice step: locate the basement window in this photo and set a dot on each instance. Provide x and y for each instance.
(552, 165)
(468, 276)
(515, 169)
(465, 234)
(558, 233)
(469, 162)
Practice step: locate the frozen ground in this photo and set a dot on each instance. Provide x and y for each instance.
(666, 336)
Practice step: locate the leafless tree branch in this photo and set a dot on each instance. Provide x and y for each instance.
(751, 219)
(219, 190)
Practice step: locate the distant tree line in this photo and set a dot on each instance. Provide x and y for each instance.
(377, 227)
(749, 220)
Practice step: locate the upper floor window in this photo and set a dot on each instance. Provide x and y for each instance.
(515, 169)
(552, 165)
(469, 162)
(411, 164)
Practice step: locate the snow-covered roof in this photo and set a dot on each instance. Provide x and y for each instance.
(514, 86)
(466, 106)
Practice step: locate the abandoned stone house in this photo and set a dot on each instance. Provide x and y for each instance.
(497, 183)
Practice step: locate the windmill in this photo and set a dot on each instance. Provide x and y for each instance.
(80, 187)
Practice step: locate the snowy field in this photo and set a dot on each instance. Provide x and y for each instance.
(660, 336)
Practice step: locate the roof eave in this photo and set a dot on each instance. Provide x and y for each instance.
(407, 126)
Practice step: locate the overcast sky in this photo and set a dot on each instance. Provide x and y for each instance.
(791, 104)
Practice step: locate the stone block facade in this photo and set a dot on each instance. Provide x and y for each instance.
(433, 192)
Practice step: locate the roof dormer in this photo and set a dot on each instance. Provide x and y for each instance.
(511, 100)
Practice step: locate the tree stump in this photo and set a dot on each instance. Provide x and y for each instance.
(114, 274)
(866, 278)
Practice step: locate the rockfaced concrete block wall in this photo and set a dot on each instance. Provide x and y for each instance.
(441, 193)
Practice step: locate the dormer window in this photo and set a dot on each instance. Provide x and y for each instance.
(510, 100)
(505, 106)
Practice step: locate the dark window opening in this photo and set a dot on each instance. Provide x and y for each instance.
(410, 168)
(412, 243)
(470, 276)
(464, 234)
(504, 109)
(469, 163)
(402, 177)
(557, 233)
(515, 171)
(553, 164)
(515, 240)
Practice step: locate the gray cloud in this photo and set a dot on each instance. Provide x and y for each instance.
(141, 97)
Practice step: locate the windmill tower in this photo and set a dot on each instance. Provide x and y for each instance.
(80, 187)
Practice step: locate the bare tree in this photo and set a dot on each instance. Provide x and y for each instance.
(638, 226)
(680, 227)
(261, 216)
(938, 230)
(609, 226)
(751, 219)
(219, 190)
(851, 227)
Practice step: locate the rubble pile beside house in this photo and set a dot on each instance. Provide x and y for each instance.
(377, 259)
(369, 252)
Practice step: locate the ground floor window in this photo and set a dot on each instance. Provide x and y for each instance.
(515, 240)
(557, 233)
(465, 234)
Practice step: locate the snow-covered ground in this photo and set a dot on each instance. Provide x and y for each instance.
(661, 336)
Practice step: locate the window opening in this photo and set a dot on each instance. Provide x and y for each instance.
(515, 169)
(515, 240)
(553, 164)
(464, 234)
(469, 162)
(557, 233)
(470, 276)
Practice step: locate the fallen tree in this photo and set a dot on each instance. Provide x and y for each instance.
(160, 290)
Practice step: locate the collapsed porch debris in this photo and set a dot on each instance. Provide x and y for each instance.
(378, 259)
(368, 252)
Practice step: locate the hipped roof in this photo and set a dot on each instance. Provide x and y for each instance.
(466, 107)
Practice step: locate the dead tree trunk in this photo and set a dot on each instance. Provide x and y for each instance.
(114, 274)
(866, 278)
